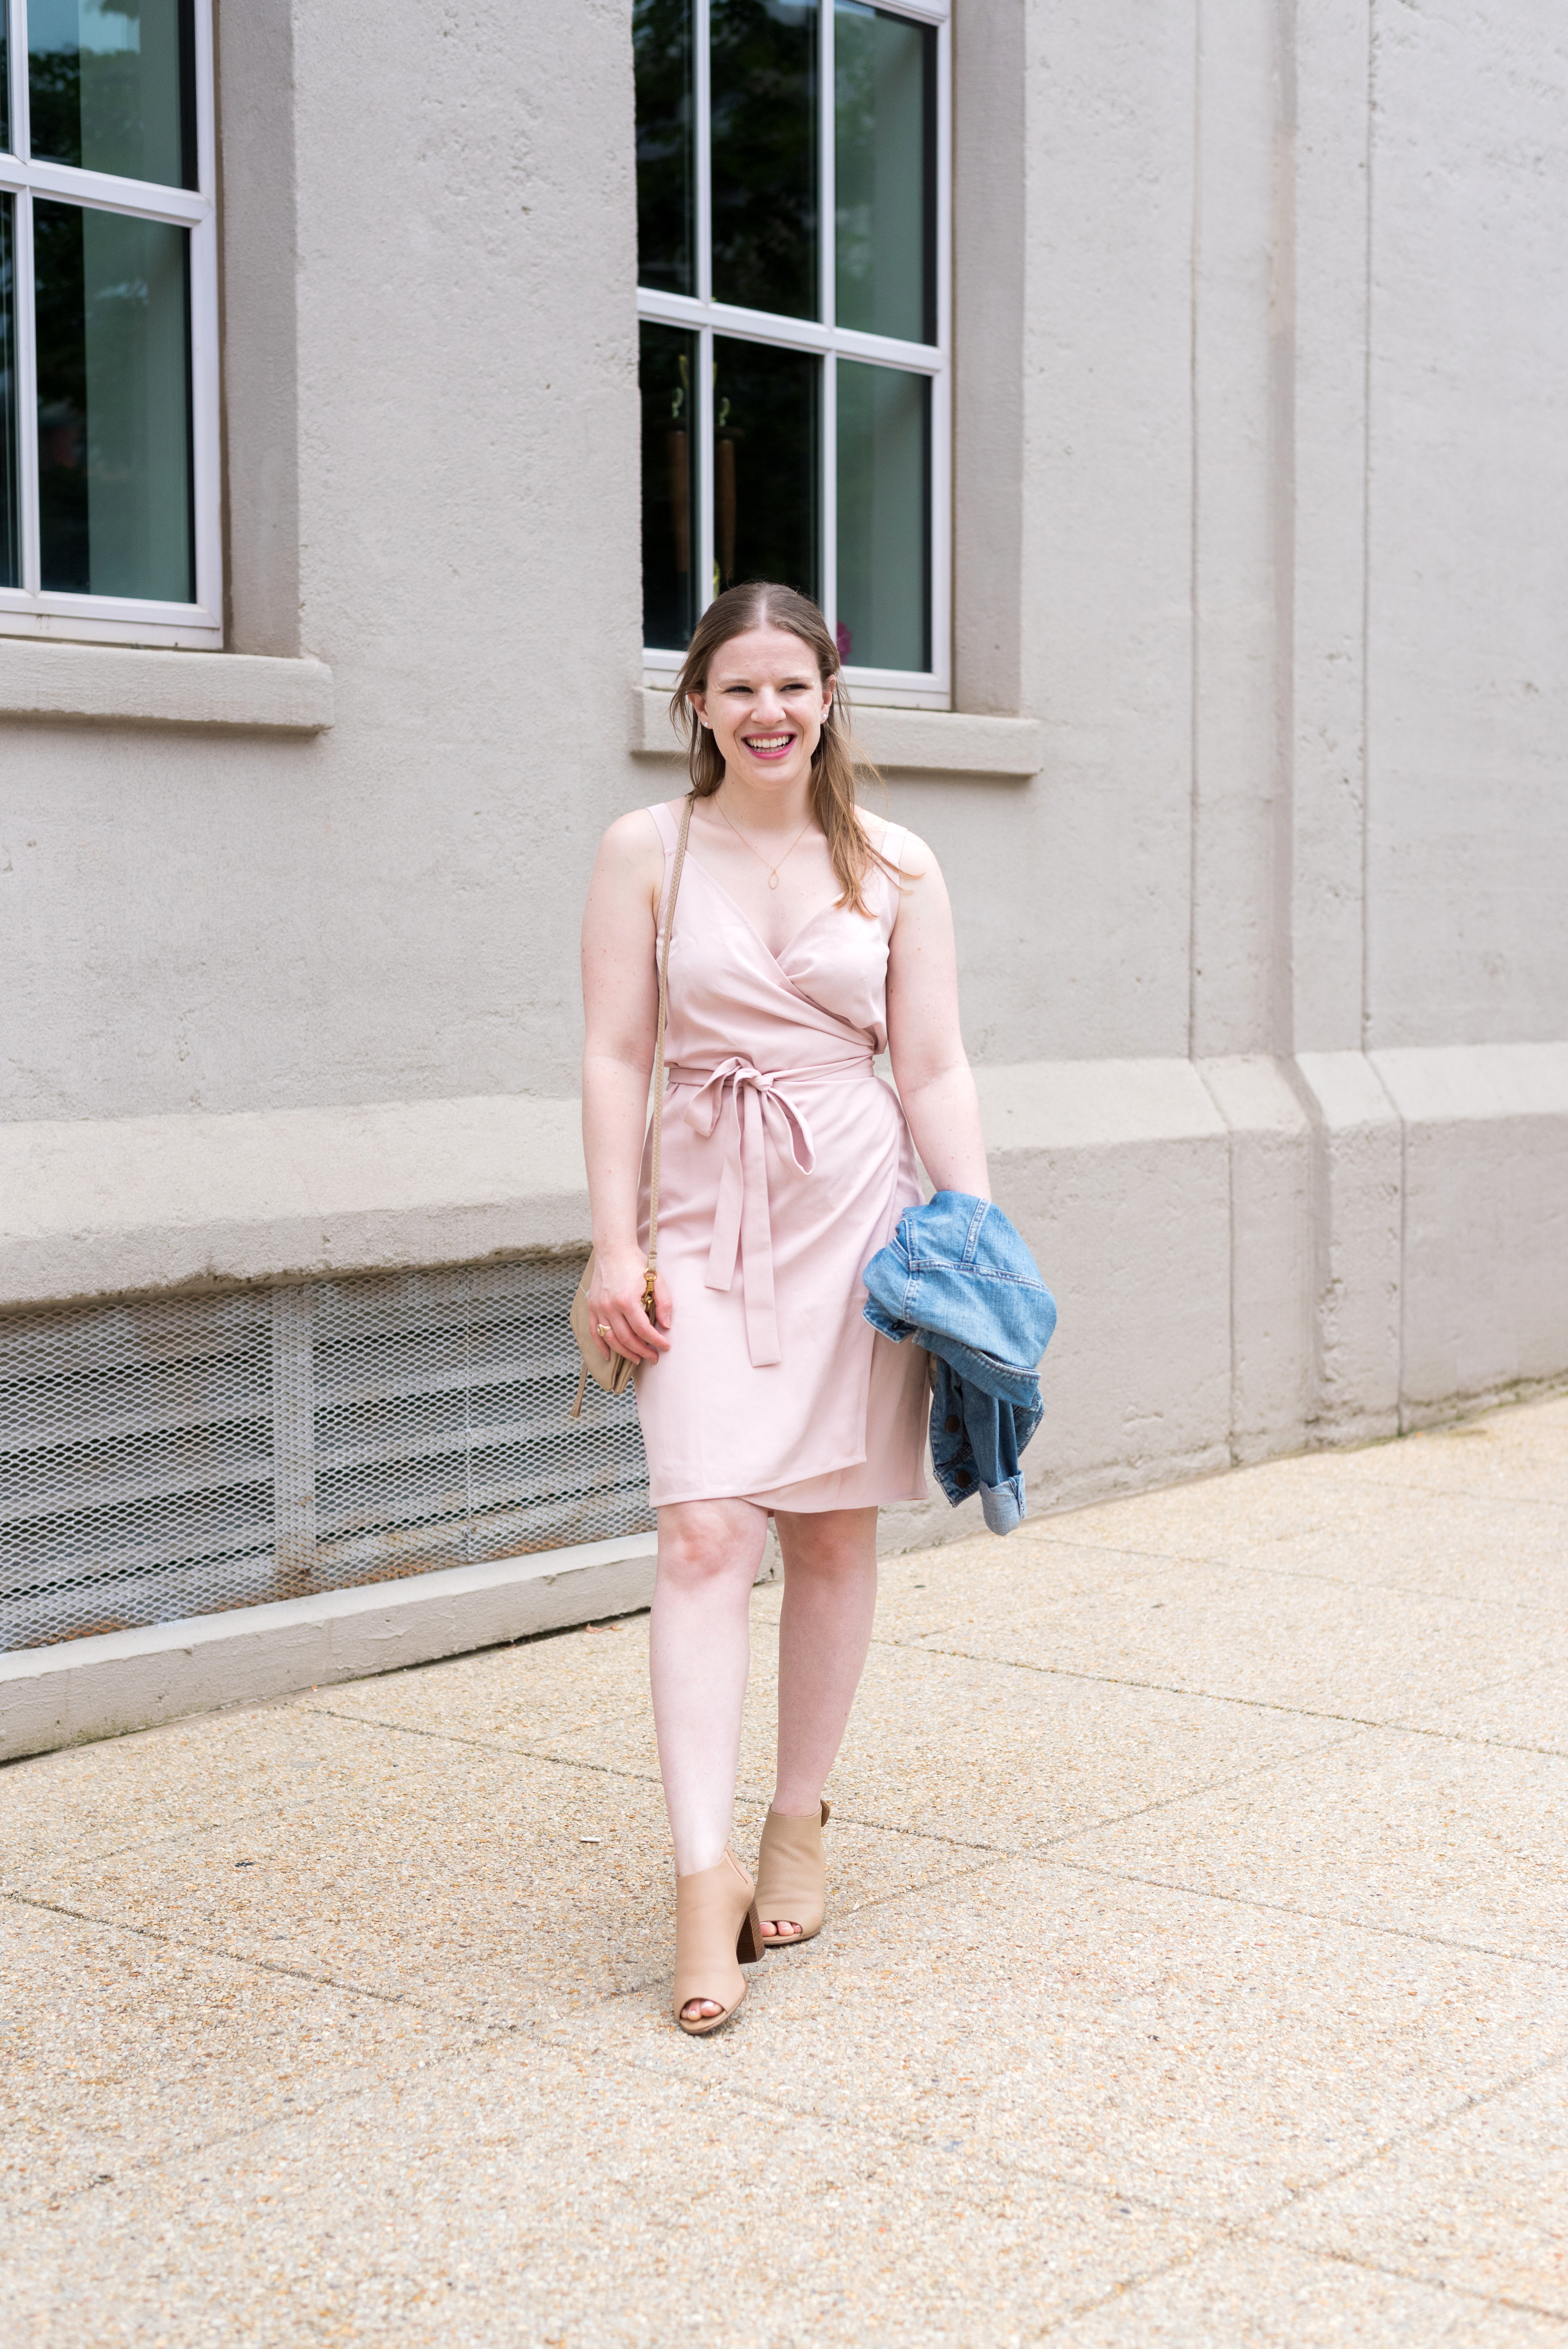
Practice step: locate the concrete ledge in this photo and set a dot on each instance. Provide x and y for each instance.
(84, 1688)
(122, 1206)
(909, 741)
(135, 687)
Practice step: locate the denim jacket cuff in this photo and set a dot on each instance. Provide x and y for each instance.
(1004, 1505)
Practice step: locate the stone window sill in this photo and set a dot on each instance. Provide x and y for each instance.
(904, 741)
(131, 686)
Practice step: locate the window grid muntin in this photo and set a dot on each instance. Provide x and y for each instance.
(708, 318)
(30, 610)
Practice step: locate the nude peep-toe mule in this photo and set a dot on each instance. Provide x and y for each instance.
(792, 1875)
(717, 1930)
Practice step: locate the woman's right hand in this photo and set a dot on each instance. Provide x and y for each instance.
(616, 1295)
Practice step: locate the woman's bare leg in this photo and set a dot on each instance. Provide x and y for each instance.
(824, 1632)
(699, 1650)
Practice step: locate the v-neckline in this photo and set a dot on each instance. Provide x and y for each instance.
(776, 959)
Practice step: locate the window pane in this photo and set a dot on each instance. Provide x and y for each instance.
(884, 517)
(668, 375)
(10, 507)
(764, 156)
(114, 404)
(885, 172)
(5, 87)
(666, 162)
(112, 86)
(766, 470)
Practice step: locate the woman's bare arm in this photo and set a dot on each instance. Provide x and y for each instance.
(621, 1004)
(930, 1066)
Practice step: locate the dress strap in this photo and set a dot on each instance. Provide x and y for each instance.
(892, 840)
(666, 823)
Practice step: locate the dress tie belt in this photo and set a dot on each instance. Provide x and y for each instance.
(753, 1105)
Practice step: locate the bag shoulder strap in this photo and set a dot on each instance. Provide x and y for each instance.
(659, 1057)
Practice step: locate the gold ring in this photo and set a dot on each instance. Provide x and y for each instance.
(605, 1330)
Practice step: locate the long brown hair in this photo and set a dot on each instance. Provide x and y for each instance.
(758, 603)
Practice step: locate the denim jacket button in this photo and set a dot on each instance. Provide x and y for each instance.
(953, 1423)
(962, 1476)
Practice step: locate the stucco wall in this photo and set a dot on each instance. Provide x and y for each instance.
(1468, 502)
(1258, 510)
(388, 910)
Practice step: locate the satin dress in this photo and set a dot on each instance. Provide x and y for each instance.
(785, 1164)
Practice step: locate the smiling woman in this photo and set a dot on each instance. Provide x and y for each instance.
(805, 940)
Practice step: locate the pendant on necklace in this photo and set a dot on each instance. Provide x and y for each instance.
(773, 879)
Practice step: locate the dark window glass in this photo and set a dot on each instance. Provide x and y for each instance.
(10, 508)
(112, 86)
(667, 376)
(763, 155)
(666, 162)
(767, 465)
(884, 517)
(885, 172)
(115, 501)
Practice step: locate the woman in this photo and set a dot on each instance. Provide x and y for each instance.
(807, 936)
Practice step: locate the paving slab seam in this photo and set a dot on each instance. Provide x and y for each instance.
(489, 2025)
(958, 2187)
(1250, 1703)
(558, 2034)
(1528, 1606)
(1263, 1769)
(885, 1826)
(1470, 1492)
(1223, 1561)
(1472, 2101)
(1412, 2275)
(208, 1949)
(1313, 1916)
(1253, 2230)
(894, 2139)
(743, 1794)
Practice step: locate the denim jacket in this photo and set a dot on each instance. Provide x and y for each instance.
(956, 1278)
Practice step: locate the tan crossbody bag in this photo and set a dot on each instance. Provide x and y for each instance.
(604, 1366)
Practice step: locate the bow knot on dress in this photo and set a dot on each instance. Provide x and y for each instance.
(756, 1108)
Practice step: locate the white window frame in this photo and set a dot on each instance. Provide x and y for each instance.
(30, 610)
(916, 690)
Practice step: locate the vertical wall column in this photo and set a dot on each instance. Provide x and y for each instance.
(1244, 487)
(1242, 490)
(1356, 1136)
(255, 77)
(990, 229)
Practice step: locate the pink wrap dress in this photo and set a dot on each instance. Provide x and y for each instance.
(785, 1164)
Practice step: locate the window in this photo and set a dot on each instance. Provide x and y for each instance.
(792, 297)
(109, 428)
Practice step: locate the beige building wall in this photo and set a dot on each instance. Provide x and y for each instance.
(1252, 797)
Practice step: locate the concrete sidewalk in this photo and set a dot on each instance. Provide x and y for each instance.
(1197, 1969)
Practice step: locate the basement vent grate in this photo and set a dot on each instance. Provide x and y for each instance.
(181, 1455)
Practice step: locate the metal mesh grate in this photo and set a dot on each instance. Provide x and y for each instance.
(180, 1456)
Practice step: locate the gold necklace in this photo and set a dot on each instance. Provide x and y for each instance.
(772, 871)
